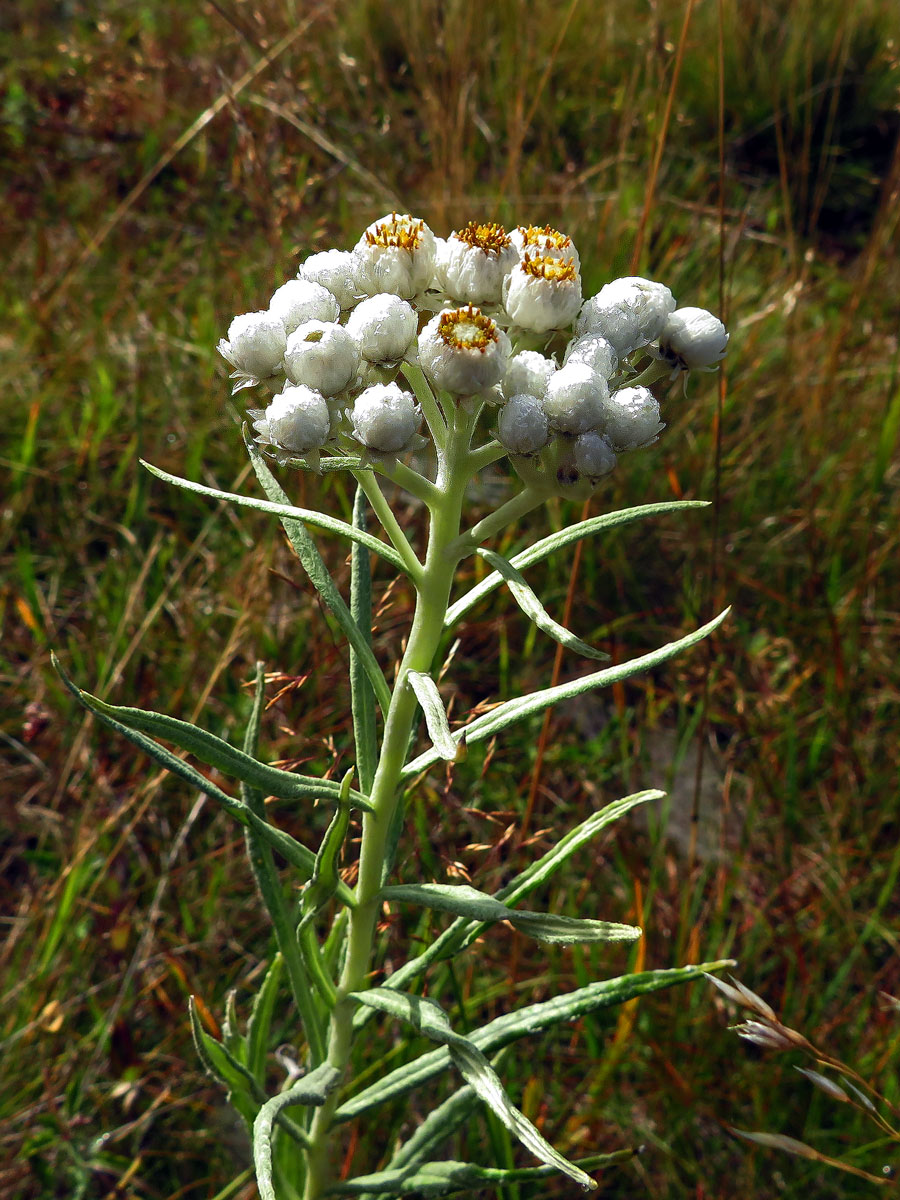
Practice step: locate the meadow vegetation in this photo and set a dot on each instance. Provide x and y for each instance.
(159, 165)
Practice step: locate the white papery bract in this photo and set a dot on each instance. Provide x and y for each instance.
(542, 241)
(338, 271)
(596, 352)
(628, 312)
(542, 293)
(323, 356)
(463, 351)
(384, 418)
(383, 326)
(528, 372)
(254, 347)
(631, 418)
(523, 427)
(471, 263)
(593, 455)
(692, 338)
(297, 420)
(301, 300)
(396, 254)
(574, 399)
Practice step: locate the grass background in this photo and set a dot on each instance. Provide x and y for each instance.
(164, 168)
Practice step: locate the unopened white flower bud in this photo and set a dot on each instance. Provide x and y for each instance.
(628, 312)
(384, 325)
(322, 356)
(471, 263)
(255, 347)
(691, 338)
(523, 427)
(300, 300)
(338, 272)
(542, 241)
(297, 420)
(574, 399)
(542, 293)
(384, 418)
(631, 418)
(596, 352)
(463, 351)
(396, 254)
(529, 372)
(593, 455)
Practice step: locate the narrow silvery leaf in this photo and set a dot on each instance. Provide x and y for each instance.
(308, 516)
(261, 1020)
(465, 901)
(520, 707)
(320, 577)
(243, 1089)
(426, 1017)
(325, 877)
(449, 1178)
(362, 697)
(546, 546)
(313, 1091)
(535, 611)
(535, 1018)
(435, 716)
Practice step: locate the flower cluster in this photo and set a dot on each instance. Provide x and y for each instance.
(488, 318)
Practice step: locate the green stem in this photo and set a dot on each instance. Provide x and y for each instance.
(515, 508)
(431, 410)
(652, 374)
(433, 595)
(489, 453)
(389, 524)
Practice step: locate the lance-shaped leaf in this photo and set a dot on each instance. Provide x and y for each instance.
(428, 1018)
(243, 1088)
(465, 901)
(449, 1178)
(320, 577)
(555, 541)
(531, 606)
(218, 753)
(462, 933)
(535, 1018)
(325, 876)
(520, 707)
(313, 1091)
(436, 722)
(291, 850)
(261, 1020)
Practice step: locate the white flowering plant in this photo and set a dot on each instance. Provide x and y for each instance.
(418, 362)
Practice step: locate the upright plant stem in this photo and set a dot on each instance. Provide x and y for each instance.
(432, 600)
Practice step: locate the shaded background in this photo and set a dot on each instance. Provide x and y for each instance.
(164, 168)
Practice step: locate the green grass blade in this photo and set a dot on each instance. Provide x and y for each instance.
(555, 541)
(362, 696)
(473, 905)
(428, 1018)
(535, 1018)
(520, 707)
(531, 606)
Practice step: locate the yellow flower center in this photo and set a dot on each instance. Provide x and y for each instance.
(555, 270)
(534, 235)
(402, 233)
(467, 329)
(491, 237)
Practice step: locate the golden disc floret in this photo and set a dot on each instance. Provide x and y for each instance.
(400, 233)
(467, 329)
(542, 266)
(490, 236)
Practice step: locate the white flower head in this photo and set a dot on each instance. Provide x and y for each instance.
(542, 241)
(323, 356)
(471, 263)
(396, 254)
(594, 350)
(255, 347)
(631, 418)
(463, 351)
(336, 270)
(523, 427)
(301, 300)
(385, 419)
(297, 420)
(692, 338)
(593, 455)
(542, 293)
(628, 312)
(383, 326)
(574, 399)
(528, 371)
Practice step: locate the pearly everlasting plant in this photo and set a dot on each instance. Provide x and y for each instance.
(467, 351)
